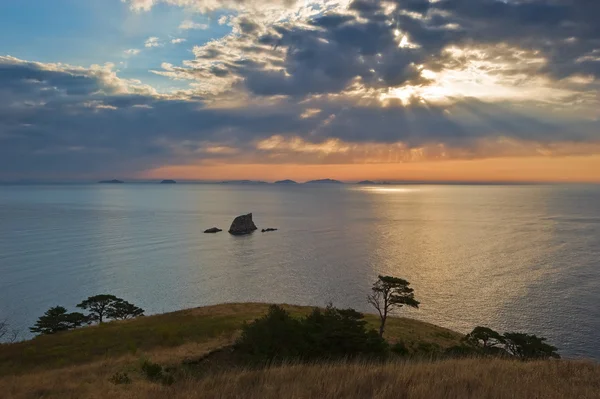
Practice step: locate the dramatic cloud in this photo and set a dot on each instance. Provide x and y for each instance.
(322, 82)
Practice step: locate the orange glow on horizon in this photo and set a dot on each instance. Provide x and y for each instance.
(525, 169)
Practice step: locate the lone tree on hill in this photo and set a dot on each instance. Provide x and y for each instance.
(389, 293)
(98, 306)
(107, 306)
(123, 310)
(57, 319)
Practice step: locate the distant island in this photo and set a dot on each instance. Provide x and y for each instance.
(287, 181)
(168, 182)
(243, 182)
(324, 181)
(114, 181)
(370, 182)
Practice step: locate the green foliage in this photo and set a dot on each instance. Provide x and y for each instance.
(145, 334)
(275, 335)
(152, 371)
(388, 293)
(57, 319)
(428, 349)
(123, 310)
(459, 351)
(329, 334)
(529, 347)
(120, 378)
(336, 333)
(485, 338)
(520, 345)
(156, 373)
(98, 305)
(400, 349)
(107, 306)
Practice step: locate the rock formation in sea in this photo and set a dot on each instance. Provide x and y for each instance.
(242, 225)
(168, 182)
(213, 230)
(268, 230)
(114, 181)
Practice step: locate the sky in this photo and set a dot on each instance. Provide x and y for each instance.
(425, 90)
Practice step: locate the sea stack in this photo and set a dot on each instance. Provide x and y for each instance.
(242, 225)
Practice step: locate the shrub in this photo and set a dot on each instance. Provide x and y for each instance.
(400, 349)
(152, 371)
(329, 334)
(156, 373)
(428, 349)
(459, 351)
(336, 333)
(275, 335)
(120, 378)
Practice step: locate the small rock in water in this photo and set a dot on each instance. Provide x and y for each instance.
(213, 230)
(242, 225)
(269, 229)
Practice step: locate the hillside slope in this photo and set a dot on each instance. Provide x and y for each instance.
(81, 364)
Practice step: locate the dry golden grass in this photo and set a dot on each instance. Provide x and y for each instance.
(80, 364)
(452, 379)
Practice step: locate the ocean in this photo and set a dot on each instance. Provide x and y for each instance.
(513, 258)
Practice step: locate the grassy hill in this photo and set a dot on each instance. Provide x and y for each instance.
(80, 364)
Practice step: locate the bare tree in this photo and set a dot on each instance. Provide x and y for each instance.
(389, 293)
(6, 333)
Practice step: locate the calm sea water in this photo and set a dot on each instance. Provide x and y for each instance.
(523, 258)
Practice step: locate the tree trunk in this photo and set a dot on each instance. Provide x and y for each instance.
(382, 326)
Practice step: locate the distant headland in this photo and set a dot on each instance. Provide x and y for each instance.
(113, 181)
(287, 181)
(324, 181)
(168, 182)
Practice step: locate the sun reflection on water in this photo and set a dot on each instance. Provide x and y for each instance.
(387, 189)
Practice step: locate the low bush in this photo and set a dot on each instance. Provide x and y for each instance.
(120, 378)
(323, 334)
(400, 349)
(156, 373)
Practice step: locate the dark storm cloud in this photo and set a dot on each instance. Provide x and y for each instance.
(341, 47)
(64, 120)
(84, 126)
(87, 126)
